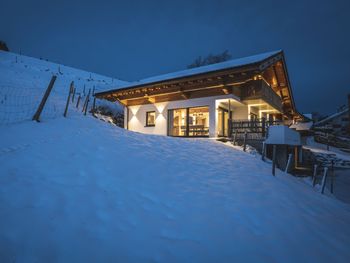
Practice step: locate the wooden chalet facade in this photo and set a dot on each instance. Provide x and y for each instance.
(204, 101)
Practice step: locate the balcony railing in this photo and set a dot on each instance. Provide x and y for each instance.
(259, 89)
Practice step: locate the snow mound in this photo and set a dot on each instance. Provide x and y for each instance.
(82, 190)
(24, 80)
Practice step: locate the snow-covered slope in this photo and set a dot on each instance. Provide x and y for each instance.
(80, 190)
(23, 81)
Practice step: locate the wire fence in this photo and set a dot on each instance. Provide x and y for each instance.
(18, 104)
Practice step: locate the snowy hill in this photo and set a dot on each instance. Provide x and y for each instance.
(77, 189)
(24, 80)
(80, 190)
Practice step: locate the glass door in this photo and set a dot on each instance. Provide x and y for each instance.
(222, 122)
(192, 122)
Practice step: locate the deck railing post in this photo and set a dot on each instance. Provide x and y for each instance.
(263, 126)
(235, 137)
(245, 141)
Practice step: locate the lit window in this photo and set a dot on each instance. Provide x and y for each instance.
(150, 118)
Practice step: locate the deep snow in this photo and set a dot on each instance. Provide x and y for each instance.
(82, 190)
(23, 81)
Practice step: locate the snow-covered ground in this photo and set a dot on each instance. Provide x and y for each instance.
(82, 190)
(23, 81)
(78, 189)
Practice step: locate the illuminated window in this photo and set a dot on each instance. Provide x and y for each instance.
(150, 118)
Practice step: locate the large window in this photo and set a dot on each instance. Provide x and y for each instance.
(192, 122)
(150, 118)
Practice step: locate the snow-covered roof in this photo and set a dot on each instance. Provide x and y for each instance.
(302, 126)
(234, 63)
(337, 114)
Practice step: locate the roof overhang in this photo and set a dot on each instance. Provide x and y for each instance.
(211, 82)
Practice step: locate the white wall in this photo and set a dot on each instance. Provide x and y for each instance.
(137, 114)
(240, 113)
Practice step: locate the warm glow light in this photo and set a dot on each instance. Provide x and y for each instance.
(134, 109)
(160, 107)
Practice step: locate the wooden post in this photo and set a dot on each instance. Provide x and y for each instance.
(79, 97)
(229, 124)
(235, 138)
(327, 141)
(245, 141)
(93, 90)
(314, 175)
(296, 156)
(68, 98)
(87, 103)
(332, 176)
(93, 106)
(263, 152)
(36, 116)
(263, 127)
(288, 163)
(84, 90)
(274, 159)
(324, 179)
(74, 90)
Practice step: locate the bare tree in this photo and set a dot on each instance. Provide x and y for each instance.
(3, 46)
(210, 59)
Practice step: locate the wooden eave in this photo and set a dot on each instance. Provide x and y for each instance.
(219, 82)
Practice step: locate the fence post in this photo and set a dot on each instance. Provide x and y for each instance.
(71, 87)
(245, 141)
(274, 159)
(263, 151)
(36, 116)
(332, 176)
(288, 163)
(324, 179)
(263, 127)
(74, 90)
(79, 97)
(87, 103)
(93, 106)
(314, 175)
(235, 138)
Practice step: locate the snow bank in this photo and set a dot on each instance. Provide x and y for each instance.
(24, 81)
(81, 190)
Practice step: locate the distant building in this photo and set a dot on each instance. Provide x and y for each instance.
(336, 124)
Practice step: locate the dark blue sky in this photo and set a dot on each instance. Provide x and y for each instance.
(135, 39)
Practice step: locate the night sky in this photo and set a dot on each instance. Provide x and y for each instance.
(135, 39)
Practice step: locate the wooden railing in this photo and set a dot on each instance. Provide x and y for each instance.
(259, 89)
(256, 126)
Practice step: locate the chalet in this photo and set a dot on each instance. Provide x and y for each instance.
(205, 101)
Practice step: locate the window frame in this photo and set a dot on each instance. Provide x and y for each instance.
(187, 121)
(147, 114)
